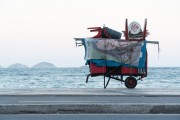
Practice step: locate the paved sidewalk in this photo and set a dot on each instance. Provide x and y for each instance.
(63, 101)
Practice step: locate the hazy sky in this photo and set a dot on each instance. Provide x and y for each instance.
(33, 31)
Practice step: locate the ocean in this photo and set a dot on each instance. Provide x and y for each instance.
(158, 77)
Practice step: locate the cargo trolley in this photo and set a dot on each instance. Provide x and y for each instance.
(130, 73)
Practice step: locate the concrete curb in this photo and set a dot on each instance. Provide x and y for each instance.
(91, 108)
(94, 91)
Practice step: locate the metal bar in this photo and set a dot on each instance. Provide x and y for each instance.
(122, 77)
(87, 78)
(78, 39)
(153, 42)
(80, 45)
(108, 82)
(104, 82)
(126, 30)
(144, 32)
(94, 28)
(117, 79)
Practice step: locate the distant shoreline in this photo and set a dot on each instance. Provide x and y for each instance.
(38, 65)
(72, 67)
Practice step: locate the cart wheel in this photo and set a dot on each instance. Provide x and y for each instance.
(130, 82)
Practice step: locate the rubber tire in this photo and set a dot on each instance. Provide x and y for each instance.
(130, 82)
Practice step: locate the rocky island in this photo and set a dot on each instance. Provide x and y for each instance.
(18, 65)
(44, 65)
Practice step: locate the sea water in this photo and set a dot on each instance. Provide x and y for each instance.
(163, 77)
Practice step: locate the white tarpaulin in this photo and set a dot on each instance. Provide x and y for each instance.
(121, 51)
